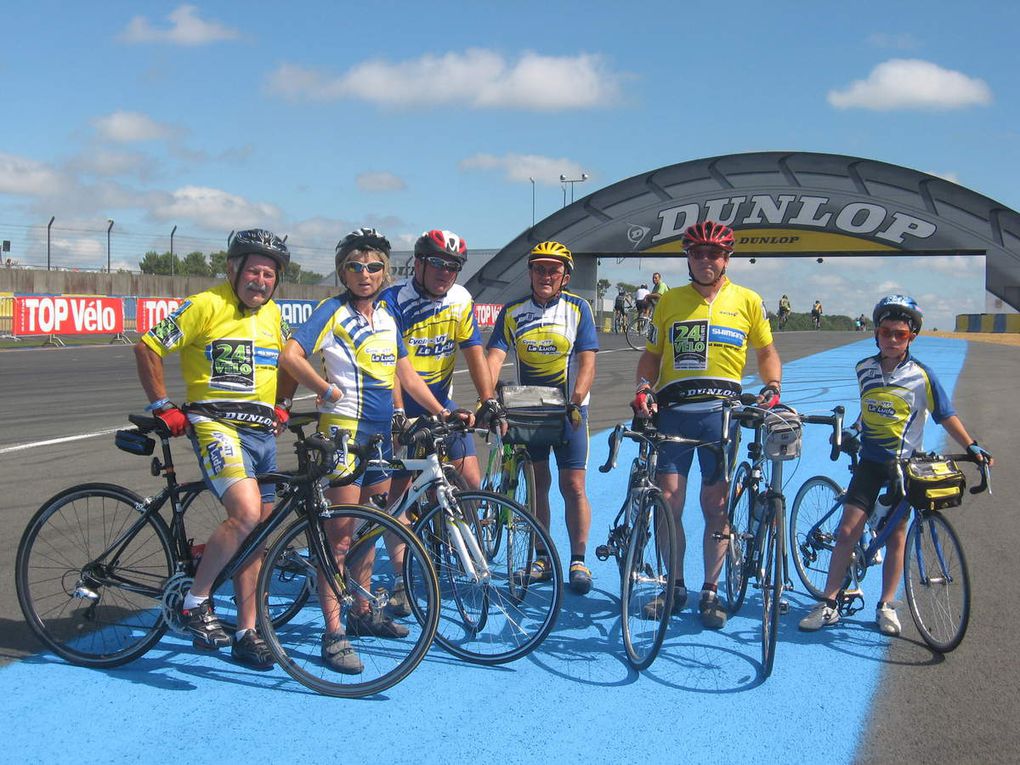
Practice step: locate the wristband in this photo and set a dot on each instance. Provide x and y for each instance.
(328, 395)
(285, 403)
(157, 404)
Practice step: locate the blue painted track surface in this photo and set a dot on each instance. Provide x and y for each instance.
(575, 698)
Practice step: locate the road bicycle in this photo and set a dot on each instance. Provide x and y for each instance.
(482, 544)
(756, 510)
(643, 540)
(101, 573)
(510, 472)
(637, 330)
(935, 575)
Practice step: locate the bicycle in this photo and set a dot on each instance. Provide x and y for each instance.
(482, 544)
(935, 575)
(101, 574)
(781, 318)
(510, 472)
(756, 510)
(643, 539)
(637, 331)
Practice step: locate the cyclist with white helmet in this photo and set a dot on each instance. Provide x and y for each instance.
(230, 338)
(552, 334)
(693, 361)
(897, 394)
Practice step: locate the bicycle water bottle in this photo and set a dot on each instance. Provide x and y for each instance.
(879, 513)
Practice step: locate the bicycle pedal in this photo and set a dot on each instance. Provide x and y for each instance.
(602, 552)
(784, 606)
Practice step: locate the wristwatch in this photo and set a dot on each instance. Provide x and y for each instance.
(285, 403)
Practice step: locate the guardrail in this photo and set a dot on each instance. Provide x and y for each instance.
(988, 322)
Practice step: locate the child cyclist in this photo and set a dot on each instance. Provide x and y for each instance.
(897, 393)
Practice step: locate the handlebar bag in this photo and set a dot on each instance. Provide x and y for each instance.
(934, 483)
(536, 415)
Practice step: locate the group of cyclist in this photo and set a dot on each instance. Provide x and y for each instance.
(388, 353)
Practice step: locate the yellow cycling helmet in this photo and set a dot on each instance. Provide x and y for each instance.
(552, 251)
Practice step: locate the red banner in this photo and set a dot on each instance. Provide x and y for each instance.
(62, 315)
(151, 311)
(486, 313)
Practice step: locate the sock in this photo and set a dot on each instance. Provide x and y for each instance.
(679, 583)
(190, 601)
(709, 587)
(830, 602)
(239, 634)
(576, 559)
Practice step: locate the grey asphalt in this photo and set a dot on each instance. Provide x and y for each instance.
(928, 708)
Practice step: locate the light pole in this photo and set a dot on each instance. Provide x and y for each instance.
(571, 181)
(532, 200)
(108, 229)
(48, 227)
(172, 232)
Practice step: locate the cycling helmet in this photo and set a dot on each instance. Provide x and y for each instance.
(710, 233)
(445, 244)
(257, 241)
(361, 239)
(552, 251)
(898, 307)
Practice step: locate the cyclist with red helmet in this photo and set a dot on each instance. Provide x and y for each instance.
(230, 338)
(897, 393)
(693, 361)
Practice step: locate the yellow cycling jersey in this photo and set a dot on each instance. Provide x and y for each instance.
(703, 345)
(228, 354)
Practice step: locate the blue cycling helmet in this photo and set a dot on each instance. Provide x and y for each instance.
(898, 307)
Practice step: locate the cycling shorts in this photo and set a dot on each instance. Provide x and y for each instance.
(702, 421)
(573, 453)
(361, 432)
(228, 454)
(868, 480)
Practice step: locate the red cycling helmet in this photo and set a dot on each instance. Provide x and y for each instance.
(446, 244)
(709, 233)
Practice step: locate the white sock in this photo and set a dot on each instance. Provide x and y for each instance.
(190, 601)
(239, 634)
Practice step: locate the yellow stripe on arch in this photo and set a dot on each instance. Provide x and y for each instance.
(790, 240)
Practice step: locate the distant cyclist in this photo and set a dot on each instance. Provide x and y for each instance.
(816, 314)
(897, 394)
(620, 306)
(230, 338)
(641, 301)
(784, 311)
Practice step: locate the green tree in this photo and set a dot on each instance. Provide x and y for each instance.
(193, 265)
(218, 263)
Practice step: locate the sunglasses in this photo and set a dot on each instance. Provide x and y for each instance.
(546, 270)
(898, 335)
(706, 254)
(442, 263)
(356, 266)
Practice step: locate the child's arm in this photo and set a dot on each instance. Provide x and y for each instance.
(955, 428)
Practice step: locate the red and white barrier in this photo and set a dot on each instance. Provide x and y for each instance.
(62, 315)
(486, 313)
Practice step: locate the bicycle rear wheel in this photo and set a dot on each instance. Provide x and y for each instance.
(937, 582)
(814, 521)
(297, 644)
(648, 573)
(741, 498)
(637, 332)
(518, 611)
(771, 588)
(90, 572)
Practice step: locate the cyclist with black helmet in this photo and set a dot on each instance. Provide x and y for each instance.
(552, 333)
(230, 338)
(363, 354)
(693, 361)
(897, 394)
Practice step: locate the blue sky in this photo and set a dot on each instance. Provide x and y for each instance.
(312, 118)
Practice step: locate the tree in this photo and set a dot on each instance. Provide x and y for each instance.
(193, 265)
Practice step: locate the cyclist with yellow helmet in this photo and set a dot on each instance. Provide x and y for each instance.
(552, 334)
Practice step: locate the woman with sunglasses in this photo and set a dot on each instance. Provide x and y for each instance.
(897, 393)
(362, 354)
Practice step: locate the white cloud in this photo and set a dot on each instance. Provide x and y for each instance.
(912, 84)
(185, 29)
(478, 78)
(107, 163)
(27, 177)
(380, 182)
(521, 168)
(215, 209)
(130, 127)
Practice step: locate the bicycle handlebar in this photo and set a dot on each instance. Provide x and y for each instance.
(984, 470)
(650, 436)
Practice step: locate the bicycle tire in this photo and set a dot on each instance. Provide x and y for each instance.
(648, 573)
(771, 589)
(940, 600)
(296, 644)
(519, 613)
(740, 545)
(814, 506)
(637, 332)
(61, 554)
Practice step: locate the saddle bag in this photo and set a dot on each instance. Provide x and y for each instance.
(536, 415)
(934, 483)
(783, 434)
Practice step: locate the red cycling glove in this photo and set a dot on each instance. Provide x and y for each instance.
(174, 419)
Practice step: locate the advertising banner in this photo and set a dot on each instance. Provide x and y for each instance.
(486, 313)
(151, 311)
(296, 312)
(62, 315)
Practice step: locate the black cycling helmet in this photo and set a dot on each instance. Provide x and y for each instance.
(445, 244)
(361, 239)
(258, 241)
(901, 307)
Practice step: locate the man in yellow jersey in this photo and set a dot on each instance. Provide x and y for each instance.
(693, 361)
(229, 338)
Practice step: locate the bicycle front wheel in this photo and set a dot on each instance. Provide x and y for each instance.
(637, 332)
(646, 586)
(493, 610)
(90, 572)
(814, 521)
(937, 582)
(771, 589)
(298, 644)
(740, 502)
